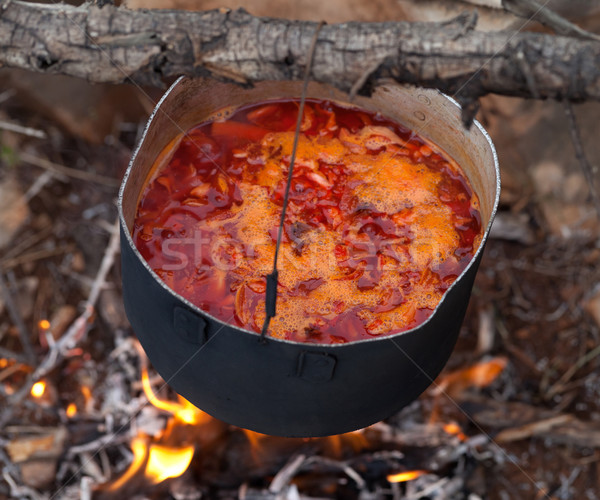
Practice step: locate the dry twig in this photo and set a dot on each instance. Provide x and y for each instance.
(19, 129)
(13, 310)
(152, 45)
(76, 332)
(581, 157)
(68, 171)
(530, 9)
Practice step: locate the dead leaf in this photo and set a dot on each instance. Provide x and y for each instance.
(39, 473)
(14, 210)
(592, 306)
(45, 443)
(62, 319)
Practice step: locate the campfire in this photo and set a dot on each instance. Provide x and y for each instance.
(175, 446)
(128, 435)
(83, 415)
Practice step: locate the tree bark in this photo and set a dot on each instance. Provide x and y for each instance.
(111, 44)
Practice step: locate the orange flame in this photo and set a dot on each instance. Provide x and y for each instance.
(38, 389)
(162, 462)
(454, 429)
(88, 399)
(139, 449)
(409, 475)
(165, 462)
(158, 461)
(184, 411)
(254, 438)
(478, 375)
(356, 439)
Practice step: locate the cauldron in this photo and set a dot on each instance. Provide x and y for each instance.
(281, 387)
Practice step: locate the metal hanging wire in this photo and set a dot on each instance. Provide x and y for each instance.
(271, 290)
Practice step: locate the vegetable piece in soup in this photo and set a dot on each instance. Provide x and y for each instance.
(379, 223)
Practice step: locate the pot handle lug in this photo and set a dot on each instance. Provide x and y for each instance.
(189, 325)
(316, 367)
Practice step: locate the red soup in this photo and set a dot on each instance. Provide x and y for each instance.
(379, 223)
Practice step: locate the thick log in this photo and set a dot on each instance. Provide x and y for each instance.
(111, 44)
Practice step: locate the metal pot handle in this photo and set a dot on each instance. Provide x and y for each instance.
(189, 325)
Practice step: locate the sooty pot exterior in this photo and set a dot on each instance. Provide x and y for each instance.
(280, 387)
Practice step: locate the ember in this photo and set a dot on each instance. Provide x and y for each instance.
(454, 429)
(71, 410)
(38, 389)
(44, 324)
(401, 477)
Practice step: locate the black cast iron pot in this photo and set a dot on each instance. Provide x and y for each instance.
(281, 387)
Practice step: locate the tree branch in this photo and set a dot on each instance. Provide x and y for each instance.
(111, 44)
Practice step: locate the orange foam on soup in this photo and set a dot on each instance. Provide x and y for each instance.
(379, 222)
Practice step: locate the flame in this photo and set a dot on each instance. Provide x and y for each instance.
(44, 324)
(3, 363)
(38, 389)
(162, 462)
(87, 394)
(454, 429)
(139, 449)
(159, 461)
(254, 438)
(478, 375)
(88, 405)
(335, 442)
(356, 439)
(165, 462)
(408, 475)
(183, 411)
(71, 410)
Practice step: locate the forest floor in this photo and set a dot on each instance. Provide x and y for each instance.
(519, 416)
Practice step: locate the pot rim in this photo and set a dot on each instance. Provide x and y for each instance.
(224, 324)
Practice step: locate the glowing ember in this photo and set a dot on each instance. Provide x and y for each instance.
(71, 410)
(38, 389)
(165, 462)
(44, 324)
(402, 477)
(454, 429)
